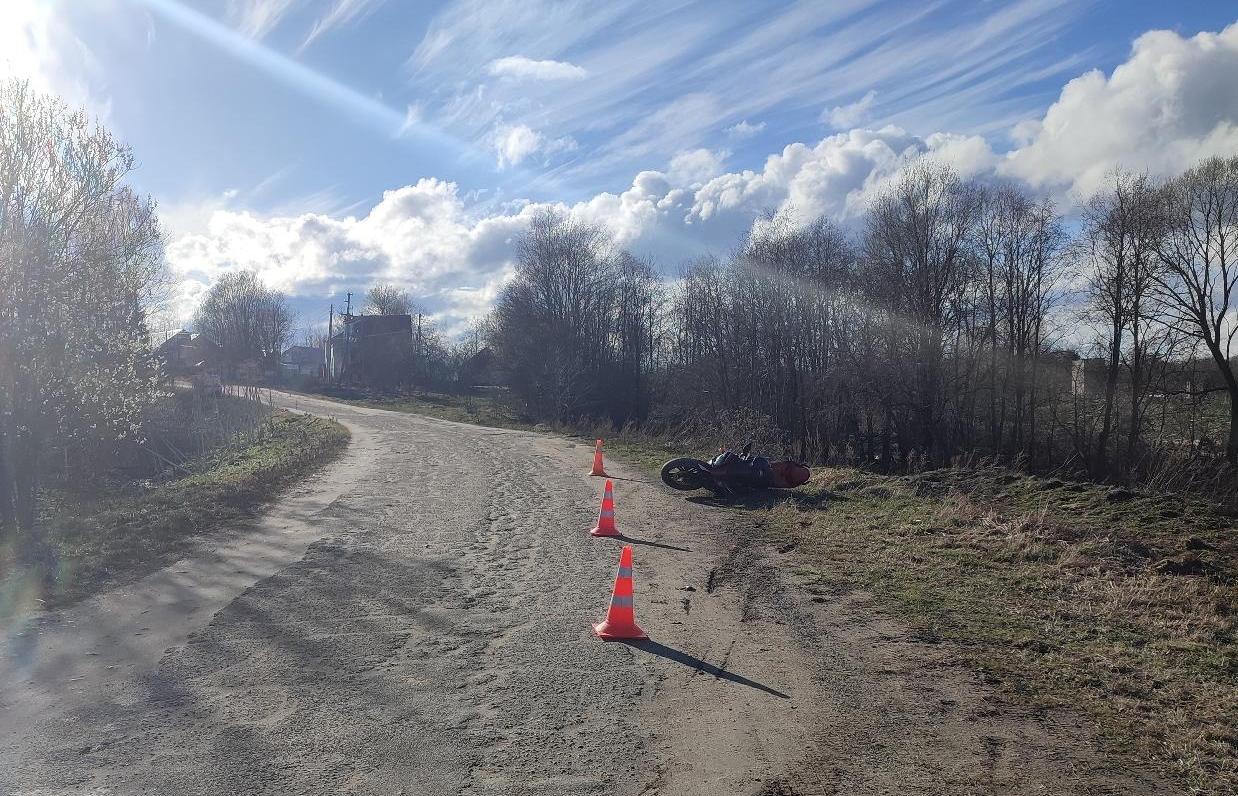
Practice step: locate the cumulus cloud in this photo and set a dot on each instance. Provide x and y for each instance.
(418, 236)
(514, 144)
(1173, 102)
(696, 166)
(858, 112)
(518, 67)
(745, 129)
(1166, 107)
(835, 177)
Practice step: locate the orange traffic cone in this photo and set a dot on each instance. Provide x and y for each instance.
(606, 517)
(621, 618)
(597, 460)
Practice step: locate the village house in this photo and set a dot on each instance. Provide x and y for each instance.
(186, 352)
(371, 350)
(301, 361)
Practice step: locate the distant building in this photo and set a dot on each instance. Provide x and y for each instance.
(302, 361)
(479, 370)
(371, 350)
(1088, 377)
(186, 352)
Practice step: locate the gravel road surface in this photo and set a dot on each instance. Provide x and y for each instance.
(415, 619)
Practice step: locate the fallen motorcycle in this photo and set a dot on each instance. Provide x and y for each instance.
(729, 472)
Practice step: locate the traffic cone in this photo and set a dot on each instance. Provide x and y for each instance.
(620, 617)
(606, 517)
(597, 460)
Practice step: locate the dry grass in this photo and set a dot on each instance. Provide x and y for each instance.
(1066, 595)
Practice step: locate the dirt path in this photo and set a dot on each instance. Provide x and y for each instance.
(416, 620)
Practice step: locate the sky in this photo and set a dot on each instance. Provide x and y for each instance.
(332, 144)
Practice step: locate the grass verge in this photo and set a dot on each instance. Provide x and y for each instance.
(105, 542)
(1112, 604)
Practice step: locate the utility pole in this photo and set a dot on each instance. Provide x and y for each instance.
(328, 359)
(348, 335)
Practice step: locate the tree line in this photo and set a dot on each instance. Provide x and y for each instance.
(958, 318)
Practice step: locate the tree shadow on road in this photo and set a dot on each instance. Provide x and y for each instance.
(672, 654)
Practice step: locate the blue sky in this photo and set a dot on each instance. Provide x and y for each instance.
(332, 143)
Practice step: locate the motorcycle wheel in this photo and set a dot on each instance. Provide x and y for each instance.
(685, 474)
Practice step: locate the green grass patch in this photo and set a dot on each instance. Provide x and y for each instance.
(103, 542)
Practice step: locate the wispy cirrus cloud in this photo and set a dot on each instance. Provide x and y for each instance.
(257, 18)
(664, 80)
(342, 12)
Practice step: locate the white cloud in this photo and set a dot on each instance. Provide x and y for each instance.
(661, 81)
(515, 143)
(831, 177)
(517, 67)
(842, 117)
(418, 236)
(257, 18)
(745, 130)
(696, 166)
(1173, 102)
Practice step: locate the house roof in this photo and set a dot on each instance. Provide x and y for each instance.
(302, 355)
(372, 325)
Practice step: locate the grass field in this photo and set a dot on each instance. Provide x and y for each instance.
(102, 542)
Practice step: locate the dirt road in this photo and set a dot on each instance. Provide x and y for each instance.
(415, 620)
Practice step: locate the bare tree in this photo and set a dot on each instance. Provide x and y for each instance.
(245, 319)
(917, 266)
(554, 317)
(1118, 248)
(1199, 252)
(388, 300)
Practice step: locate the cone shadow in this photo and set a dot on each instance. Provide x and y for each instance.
(633, 480)
(672, 654)
(650, 543)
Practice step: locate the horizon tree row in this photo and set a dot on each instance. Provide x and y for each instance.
(935, 330)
